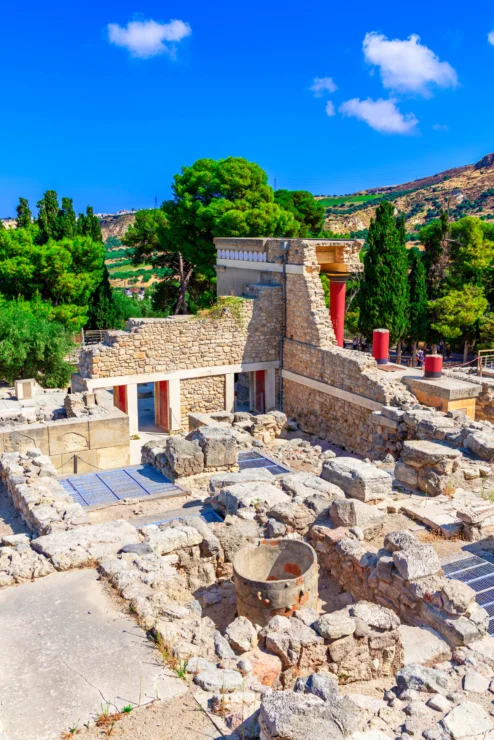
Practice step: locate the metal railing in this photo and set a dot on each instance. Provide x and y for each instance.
(485, 360)
(93, 336)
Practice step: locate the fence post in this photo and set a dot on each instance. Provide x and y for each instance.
(75, 464)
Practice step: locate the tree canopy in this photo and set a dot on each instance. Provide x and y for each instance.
(308, 212)
(384, 294)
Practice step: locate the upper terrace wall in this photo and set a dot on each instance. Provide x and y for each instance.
(190, 342)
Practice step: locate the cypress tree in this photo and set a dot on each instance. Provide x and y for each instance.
(103, 311)
(24, 216)
(67, 221)
(89, 225)
(48, 216)
(418, 311)
(384, 295)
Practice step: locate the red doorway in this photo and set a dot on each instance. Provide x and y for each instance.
(120, 397)
(163, 399)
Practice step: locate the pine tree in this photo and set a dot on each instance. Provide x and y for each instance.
(48, 209)
(67, 221)
(89, 225)
(417, 315)
(24, 216)
(384, 295)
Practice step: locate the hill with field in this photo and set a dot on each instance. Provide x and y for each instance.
(463, 191)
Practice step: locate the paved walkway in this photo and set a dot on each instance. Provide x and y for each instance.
(66, 651)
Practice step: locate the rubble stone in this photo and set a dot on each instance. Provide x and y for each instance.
(417, 562)
(359, 480)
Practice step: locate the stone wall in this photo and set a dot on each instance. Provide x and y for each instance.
(406, 577)
(201, 395)
(100, 442)
(484, 403)
(246, 334)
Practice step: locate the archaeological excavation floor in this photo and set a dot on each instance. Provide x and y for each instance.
(68, 652)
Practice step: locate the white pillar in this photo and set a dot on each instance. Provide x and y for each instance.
(174, 404)
(230, 392)
(270, 389)
(132, 408)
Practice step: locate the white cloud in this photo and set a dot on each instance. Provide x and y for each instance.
(381, 115)
(330, 109)
(441, 127)
(322, 85)
(490, 38)
(407, 66)
(147, 38)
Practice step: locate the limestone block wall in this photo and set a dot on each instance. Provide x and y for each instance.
(484, 403)
(201, 395)
(250, 333)
(101, 442)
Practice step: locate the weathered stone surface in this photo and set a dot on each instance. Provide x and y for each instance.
(417, 562)
(241, 635)
(296, 516)
(222, 646)
(303, 485)
(249, 475)
(467, 719)
(457, 597)
(481, 444)
(218, 679)
(322, 685)
(244, 494)
(335, 625)
(420, 678)
(352, 512)
(475, 515)
(165, 539)
(401, 540)
(419, 453)
(406, 474)
(476, 682)
(439, 703)
(358, 479)
(76, 547)
(218, 445)
(266, 667)
(183, 457)
(378, 617)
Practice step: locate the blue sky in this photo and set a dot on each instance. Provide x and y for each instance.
(107, 112)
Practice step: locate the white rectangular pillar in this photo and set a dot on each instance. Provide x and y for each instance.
(270, 389)
(132, 408)
(174, 404)
(230, 392)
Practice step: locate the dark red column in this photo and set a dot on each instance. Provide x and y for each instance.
(380, 346)
(337, 296)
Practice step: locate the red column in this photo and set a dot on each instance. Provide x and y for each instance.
(380, 346)
(337, 295)
(433, 366)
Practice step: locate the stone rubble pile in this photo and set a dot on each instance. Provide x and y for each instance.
(261, 427)
(31, 482)
(428, 466)
(19, 562)
(405, 576)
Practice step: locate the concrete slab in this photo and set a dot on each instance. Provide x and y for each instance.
(436, 518)
(423, 645)
(66, 649)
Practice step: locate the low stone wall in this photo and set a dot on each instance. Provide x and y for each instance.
(406, 577)
(31, 482)
(484, 404)
(100, 441)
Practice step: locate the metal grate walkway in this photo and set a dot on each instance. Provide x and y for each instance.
(251, 459)
(479, 575)
(110, 486)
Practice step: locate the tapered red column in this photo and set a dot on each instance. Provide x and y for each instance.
(337, 296)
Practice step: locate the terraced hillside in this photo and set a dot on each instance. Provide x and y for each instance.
(467, 190)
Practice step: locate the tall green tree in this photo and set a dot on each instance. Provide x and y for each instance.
(33, 344)
(384, 292)
(67, 221)
(88, 225)
(24, 215)
(471, 253)
(457, 314)
(418, 318)
(48, 209)
(434, 239)
(308, 212)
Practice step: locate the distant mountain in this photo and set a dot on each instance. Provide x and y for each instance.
(464, 191)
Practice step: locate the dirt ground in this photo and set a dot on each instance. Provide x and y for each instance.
(11, 521)
(136, 509)
(180, 717)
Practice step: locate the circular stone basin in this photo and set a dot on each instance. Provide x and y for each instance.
(275, 577)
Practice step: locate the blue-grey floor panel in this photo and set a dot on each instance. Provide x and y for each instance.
(479, 575)
(110, 486)
(251, 460)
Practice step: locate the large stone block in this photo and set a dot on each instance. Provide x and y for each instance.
(419, 453)
(358, 479)
(481, 444)
(232, 498)
(417, 562)
(354, 513)
(111, 431)
(183, 457)
(23, 438)
(218, 445)
(68, 436)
